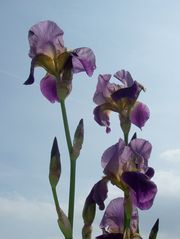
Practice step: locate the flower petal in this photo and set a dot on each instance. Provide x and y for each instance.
(141, 148)
(139, 114)
(113, 219)
(128, 92)
(45, 38)
(125, 77)
(99, 97)
(83, 60)
(144, 190)
(48, 88)
(101, 116)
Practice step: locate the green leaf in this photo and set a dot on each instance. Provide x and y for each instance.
(154, 230)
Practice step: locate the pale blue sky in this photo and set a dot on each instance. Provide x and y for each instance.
(141, 36)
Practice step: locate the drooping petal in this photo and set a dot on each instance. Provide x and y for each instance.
(139, 114)
(143, 190)
(48, 88)
(45, 38)
(101, 116)
(125, 77)
(100, 193)
(83, 60)
(113, 219)
(142, 149)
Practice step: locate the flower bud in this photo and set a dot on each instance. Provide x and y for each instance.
(64, 224)
(78, 140)
(55, 164)
(154, 230)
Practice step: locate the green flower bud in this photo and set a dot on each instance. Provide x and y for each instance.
(154, 230)
(64, 224)
(78, 140)
(55, 164)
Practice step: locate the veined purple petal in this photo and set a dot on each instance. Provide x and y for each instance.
(113, 219)
(143, 190)
(48, 88)
(141, 148)
(112, 152)
(99, 97)
(101, 116)
(125, 77)
(139, 114)
(83, 60)
(45, 38)
(98, 194)
(116, 159)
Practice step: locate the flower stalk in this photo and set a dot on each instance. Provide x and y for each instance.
(72, 164)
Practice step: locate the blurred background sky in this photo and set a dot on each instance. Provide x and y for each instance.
(140, 36)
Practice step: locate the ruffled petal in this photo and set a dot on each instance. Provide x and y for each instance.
(45, 38)
(83, 60)
(139, 114)
(113, 160)
(125, 77)
(143, 190)
(142, 149)
(99, 97)
(48, 88)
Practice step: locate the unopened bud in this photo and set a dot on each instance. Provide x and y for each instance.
(78, 140)
(64, 224)
(55, 164)
(154, 230)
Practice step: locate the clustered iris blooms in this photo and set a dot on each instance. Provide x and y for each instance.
(126, 163)
(47, 50)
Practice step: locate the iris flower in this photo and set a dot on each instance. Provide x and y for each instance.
(47, 50)
(127, 167)
(119, 98)
(112, 223)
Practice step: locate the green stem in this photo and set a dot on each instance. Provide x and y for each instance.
(72, 165)
(55, 200)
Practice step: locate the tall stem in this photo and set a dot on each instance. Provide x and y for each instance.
(72, 165)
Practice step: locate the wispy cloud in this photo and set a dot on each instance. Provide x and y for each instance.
(168, 184)
(171, 155)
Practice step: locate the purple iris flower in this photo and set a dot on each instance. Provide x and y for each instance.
(127, 166)
(47, 50)
(113, 219)
(119, 98)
